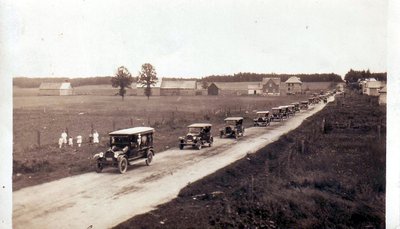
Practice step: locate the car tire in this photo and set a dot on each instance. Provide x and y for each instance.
(199, 146)
(221, 135)
(99, 167)
(149, 158)
(181, 146)
(123, 165)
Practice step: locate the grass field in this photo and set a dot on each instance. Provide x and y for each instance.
(45, 117)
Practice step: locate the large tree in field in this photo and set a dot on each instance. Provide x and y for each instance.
(122, 79)
(147, 78)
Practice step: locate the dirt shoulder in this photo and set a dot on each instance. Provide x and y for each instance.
(309, 178)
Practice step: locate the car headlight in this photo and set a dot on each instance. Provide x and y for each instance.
(116, 154)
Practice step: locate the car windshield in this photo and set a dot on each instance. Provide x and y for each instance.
(262, 115)
(119, 140)
(275, 111)
(194, 130)
(230, 122)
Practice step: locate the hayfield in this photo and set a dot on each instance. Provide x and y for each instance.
(41, 119)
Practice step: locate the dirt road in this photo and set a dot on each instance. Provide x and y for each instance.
(103, 200)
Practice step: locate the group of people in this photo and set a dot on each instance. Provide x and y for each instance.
(65, 140)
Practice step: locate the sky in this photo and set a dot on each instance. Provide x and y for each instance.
(195, 38)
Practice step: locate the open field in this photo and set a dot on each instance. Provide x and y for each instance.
(335, 179)
(44, 117)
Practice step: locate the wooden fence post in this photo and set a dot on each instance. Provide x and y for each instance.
(303, 146)
(131, 121)
(91, 128)
(113, 123)
(323, 126)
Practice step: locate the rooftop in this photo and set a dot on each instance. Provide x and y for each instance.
(200, 125)
(134, 130)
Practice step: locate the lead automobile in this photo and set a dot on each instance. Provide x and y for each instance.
(233, 127)
(263, 118)
(198, 135)
(126, 146)
(277, 113)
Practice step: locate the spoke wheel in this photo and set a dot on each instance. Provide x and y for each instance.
(123, 165)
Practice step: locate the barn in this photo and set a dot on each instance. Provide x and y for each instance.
(57, 89)
(372, 88)
(178, 87)
(229, 88)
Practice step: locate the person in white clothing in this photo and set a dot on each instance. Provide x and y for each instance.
(79, 140)
(64, 137)
(60, 142)
(95, 137)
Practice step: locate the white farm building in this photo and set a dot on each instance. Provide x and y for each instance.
(56, 89)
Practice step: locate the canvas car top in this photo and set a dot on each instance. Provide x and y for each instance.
(233, 119)
(295, 103)
(134, 130)
(276, 108)
(283, 106)
(304, 102)
(199, 125)
(262, 112)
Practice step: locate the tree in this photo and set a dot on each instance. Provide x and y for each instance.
(204, 84)
(147, 78)
(122, 79)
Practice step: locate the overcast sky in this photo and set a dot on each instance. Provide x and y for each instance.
(196, 38)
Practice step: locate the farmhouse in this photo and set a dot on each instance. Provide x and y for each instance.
(58, 89)
(230, 88)
(268, 86)
(293, 85)
(382, 96)
(155, 89)
(178, 87)
(372, 88)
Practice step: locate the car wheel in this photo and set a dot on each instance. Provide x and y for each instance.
(99, 167)
(221, 135)
(123, 165)
(181, 146)
(149, 158)
(199, 146)
(236, 135)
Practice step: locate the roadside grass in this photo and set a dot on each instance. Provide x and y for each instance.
(335, 179)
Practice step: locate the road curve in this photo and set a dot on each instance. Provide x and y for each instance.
(104, 200)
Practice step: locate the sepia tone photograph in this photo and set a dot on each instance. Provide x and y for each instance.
(198, 114)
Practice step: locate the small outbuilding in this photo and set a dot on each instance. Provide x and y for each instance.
(382, 96)
(56, 89)
(178, 87)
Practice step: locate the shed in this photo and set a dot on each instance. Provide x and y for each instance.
(382, 96)
(178, 87)
(372, 88)
(293, 85)
(58, 89)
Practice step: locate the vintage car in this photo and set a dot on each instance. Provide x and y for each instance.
(292, 110)
(233, 127)
(311, 101)
(198, 135)
(296, 106)
(126, 146)
(277, 113)
(285, 112)
(263, 118)
(304, 105)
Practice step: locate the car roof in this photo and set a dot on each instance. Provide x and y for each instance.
(200, 125)
(304, 101)
(274, 108)
(233, 119)
(262, 112)
(294, 103)
(283, 106)
(134, 130)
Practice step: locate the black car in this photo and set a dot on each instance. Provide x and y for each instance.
(198, 135)
(127, 145)
(263, 118)
(233, 127)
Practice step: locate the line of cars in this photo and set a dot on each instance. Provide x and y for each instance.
(128, 145)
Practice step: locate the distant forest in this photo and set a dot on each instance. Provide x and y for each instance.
(354, 76)
(25, 82)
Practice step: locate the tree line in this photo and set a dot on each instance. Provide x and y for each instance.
(25, 82)
(254, 77)
(353, 76)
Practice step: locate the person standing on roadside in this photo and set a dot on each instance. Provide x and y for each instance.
(60, 142)
(70, 141)
(64, 136)
(79, 140)
(96, 137)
